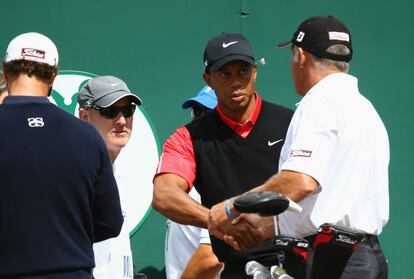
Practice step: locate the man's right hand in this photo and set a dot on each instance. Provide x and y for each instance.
(245, 232)
(263, 229)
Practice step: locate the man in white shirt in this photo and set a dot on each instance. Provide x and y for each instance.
(335, 158)
(107, 103)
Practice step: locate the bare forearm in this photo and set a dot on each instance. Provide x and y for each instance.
(294, 185)
(182, 209)
(171, 200)
(203, 264)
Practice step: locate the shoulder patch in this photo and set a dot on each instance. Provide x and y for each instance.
(300, 153)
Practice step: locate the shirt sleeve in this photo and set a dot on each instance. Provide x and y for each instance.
(178, 156)
(314, 137)
(204, 237)
(107, 214)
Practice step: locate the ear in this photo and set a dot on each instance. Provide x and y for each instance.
(254, 72)
(83, 114)
(4, 75)
(50, 84)
(302, 57)
(206, 77)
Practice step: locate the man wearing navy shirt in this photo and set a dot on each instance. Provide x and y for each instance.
(58, 192)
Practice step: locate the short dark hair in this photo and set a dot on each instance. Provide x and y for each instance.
(41, 71)
(3, 85)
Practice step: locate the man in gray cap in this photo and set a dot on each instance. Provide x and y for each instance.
(107, 103)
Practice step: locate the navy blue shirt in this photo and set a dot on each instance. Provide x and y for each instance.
(58, 194)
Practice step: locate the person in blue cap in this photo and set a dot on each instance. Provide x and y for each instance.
(204, 100)
(188, 252)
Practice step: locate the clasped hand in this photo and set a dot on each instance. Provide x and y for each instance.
(242, 233)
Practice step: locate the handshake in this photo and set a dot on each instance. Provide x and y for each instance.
(247, 230)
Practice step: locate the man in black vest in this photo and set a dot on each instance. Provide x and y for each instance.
(225, 152)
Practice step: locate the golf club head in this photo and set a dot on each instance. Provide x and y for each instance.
(277, 272)
(261, 275)
(253, 266)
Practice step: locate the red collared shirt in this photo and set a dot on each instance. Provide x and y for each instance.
(243, 129)
(178, 152)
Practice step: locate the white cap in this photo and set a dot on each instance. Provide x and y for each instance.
(33, 47)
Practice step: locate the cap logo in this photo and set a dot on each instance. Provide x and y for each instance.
(31, 52)
(89, 103)
(205, 63)
(300, 37)
(339, 36)
(226, 45)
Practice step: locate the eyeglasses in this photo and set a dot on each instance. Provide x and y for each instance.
(113, 111)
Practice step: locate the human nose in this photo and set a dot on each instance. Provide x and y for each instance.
(235, 82)
(120, 120)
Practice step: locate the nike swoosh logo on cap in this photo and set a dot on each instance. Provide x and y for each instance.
(225, 45)
(271, 143)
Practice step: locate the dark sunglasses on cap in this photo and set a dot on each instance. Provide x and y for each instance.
(113, 111)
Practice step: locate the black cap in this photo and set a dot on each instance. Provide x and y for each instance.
(317, 34)
(225, 48)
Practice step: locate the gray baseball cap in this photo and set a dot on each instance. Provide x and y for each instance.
(104, 91)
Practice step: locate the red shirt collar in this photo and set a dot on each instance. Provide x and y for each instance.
(243, 129)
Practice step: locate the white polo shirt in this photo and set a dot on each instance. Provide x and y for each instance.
(113, 257)
(337, 137)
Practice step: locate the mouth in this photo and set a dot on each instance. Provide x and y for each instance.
(237, 96)
(121, 133)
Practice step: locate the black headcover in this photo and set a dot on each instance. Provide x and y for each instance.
(263, 203)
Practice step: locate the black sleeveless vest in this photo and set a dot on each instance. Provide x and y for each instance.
(228, 165)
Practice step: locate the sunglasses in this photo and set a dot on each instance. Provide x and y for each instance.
(113, 111)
